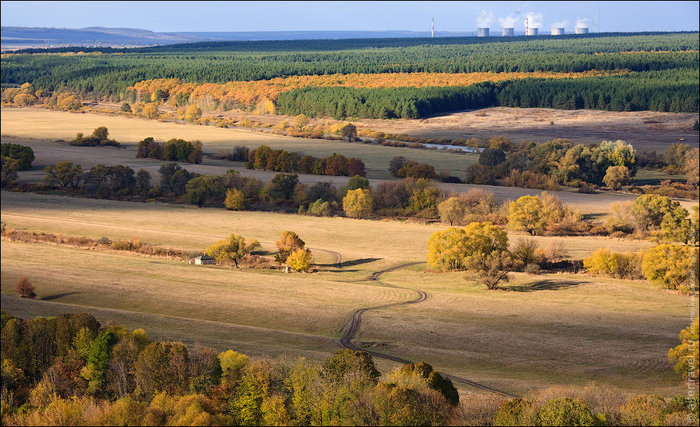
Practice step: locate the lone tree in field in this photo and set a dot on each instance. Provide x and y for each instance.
(481, 247)
(24, 288)
(289, 242)
(358, 203)
(452, 211)
(349, 132)
(232, 248)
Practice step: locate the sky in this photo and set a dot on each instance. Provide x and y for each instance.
(347, 15)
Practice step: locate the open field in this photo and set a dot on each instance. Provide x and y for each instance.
(645, 130)
(35, 127)
(54, 125)
(581, 324)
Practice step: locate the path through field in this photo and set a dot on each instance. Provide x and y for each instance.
(353, 327)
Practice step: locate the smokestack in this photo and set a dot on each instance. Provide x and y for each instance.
(581, 30)
(557, 31)
(432, 28)
(483, 32)
(531, 31)
(508, 32)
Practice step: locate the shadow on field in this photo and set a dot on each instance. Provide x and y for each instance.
(58, 296)
(357, 262)
(545, 285)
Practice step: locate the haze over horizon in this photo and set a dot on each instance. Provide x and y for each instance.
(352, 16)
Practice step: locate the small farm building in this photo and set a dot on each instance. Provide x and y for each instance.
(204, 259)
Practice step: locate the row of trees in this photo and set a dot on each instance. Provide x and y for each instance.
(667, 90)
(175, 149)
(69, 370)
(558, 161)
(264, 157)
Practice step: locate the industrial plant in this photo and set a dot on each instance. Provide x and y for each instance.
(533, 22)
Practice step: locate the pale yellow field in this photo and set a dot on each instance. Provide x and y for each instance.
(40, 124)
(40, 129)
(540, 331)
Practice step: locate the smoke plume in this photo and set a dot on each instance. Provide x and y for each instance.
(485, 19)
(509, 21)
(534, 20)
(560, 24)
(582, 23)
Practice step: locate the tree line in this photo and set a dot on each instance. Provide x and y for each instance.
(669, 91)
(108, 76)
(264, 157)
(70, 369)
(175, 149)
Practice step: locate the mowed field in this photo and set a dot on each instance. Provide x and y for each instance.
(47, 125)
(541, 330)
(40, 129)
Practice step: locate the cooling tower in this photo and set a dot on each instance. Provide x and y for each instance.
(581, 30)
(508, 32)
(483, 32)
(531, 32)
(557, 31)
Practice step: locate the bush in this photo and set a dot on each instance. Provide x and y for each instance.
(619, 265)
(24, 288)
(643, 410)
(565, 411)
(23, 154)
(300, 260)
(671, 266)
(235, 200)
(319, 208)
(533, 269)
(516, 412)
(358, 203)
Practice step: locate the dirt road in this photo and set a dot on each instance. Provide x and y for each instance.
(353, 327)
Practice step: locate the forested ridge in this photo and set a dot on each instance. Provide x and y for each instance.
(654, 64)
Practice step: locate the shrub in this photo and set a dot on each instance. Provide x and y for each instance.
(671, 266)
(525, 252)
(358, 203)
(687, 353)
(619, 265)
(235, 200)
(516, 412)
(555, 251)
(289, 242)
(24, 288)
(300, 260)
(533, 268)
(565, 411)
(23, 154)
(231, 249)
(319, 208)
(643, 410)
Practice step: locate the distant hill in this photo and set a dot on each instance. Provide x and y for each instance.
(12, 38)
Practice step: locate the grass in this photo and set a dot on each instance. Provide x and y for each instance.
(47, 125)
(544, 330)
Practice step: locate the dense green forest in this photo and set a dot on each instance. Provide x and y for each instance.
(668, 90)
(108, 75)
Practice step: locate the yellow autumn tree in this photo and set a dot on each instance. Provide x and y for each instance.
(686, 355)
(358, 203)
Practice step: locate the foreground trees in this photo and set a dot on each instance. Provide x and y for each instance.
(144, 382)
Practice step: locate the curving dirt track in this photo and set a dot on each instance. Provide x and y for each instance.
(353, 327)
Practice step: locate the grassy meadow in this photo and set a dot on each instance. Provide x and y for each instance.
(40, 124)
(541, 330)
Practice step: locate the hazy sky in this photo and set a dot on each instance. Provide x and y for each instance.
(306, 16)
